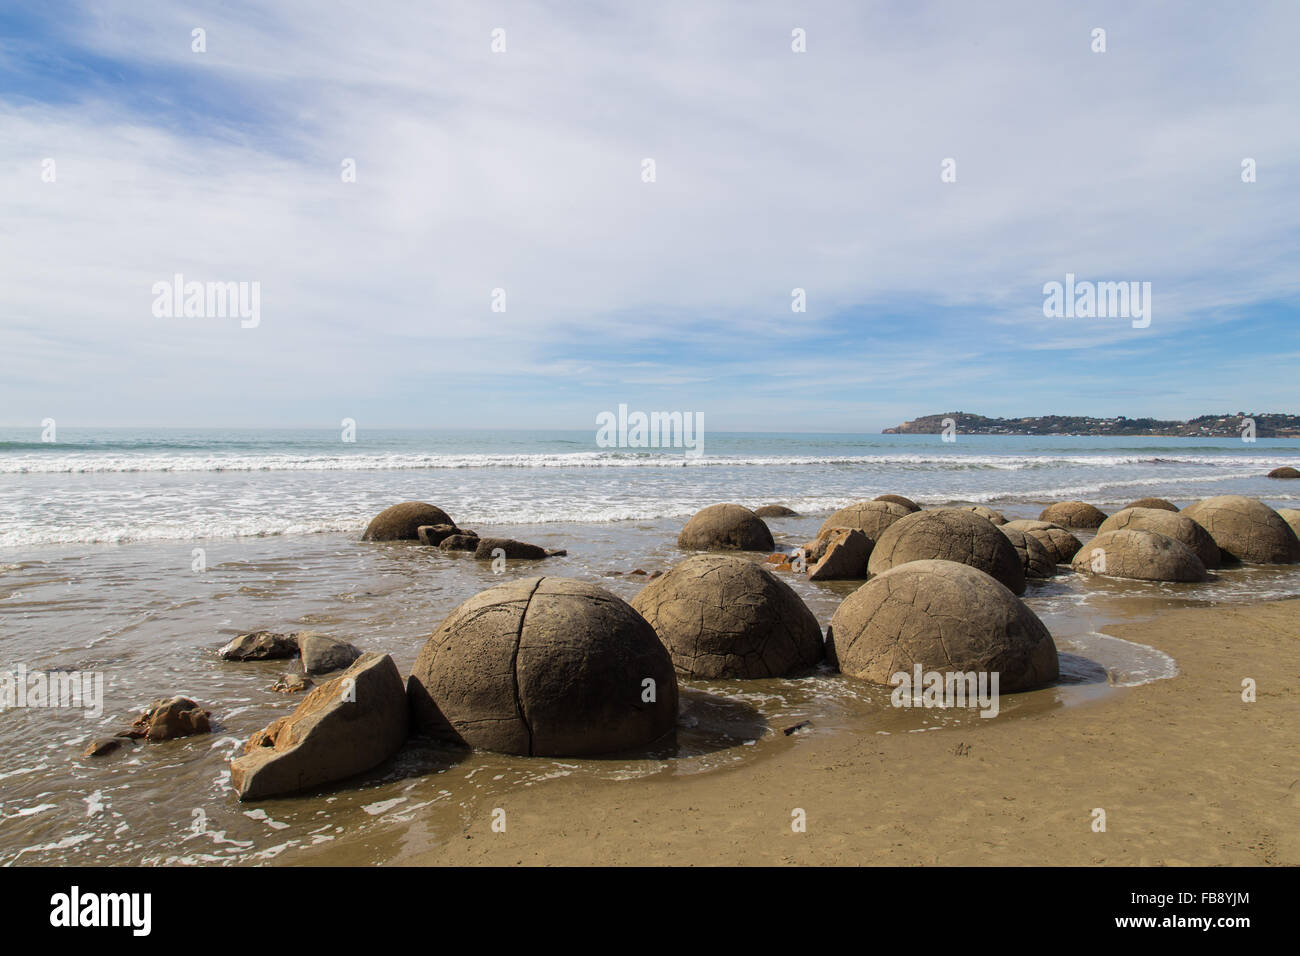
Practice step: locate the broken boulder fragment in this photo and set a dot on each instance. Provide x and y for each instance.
(260, 646)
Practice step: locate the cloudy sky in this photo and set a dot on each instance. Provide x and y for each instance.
(522, 170)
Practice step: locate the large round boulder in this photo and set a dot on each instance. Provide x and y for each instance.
(1060, 544)
(722, 616)
(1073, 514)
(1292, 517)
(545, 666)
(949, 534)
(402, 522)
(1160, 503)
(907, 503)
(725, 528)
(776, 511)
(869, 517)
(946, 617)
(1171, 524)
(1286, 471)
(1142, 555)
(1246, 529)
(1033, 554)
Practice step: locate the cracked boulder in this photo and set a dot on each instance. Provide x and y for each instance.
(996, 517)
(949, 534)
(842, 556)
(1246, 529)
(260, 646)
(1160, 503)
(1140, 555)
(322, 654)
(945, 616)
(725, 528)
(1292, 517)
(344, 727)
(1060, 544)
(402, 522)
(545, 666)
(1073, 514)
(1034, 556)
(907, 503)
(1171, 524)
(728, 617)
(869, 517)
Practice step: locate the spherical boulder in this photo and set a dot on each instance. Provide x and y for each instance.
(907, 503)
(1286, 471)
(1141, 555)
(946, 617)
(1246, 529)
(1153, 503)
(1292, 517)
(949, 534)
(987, 513)
(1034, 556)
(402, 522)
(545, 666)
(1171, 524)
(869, 517)
(776, 511)
(1073, 514)
(723, 617)
(725, 528)
(1060, 544)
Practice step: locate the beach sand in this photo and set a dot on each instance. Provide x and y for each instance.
(1186, 772)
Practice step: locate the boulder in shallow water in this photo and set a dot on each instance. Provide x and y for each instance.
(102, 746)
(776, 511)
(1034, 556)
(1171, 524)
(433, 534)
(459, 542)
(169, 718)
(1292, 517)
(907, 503)
(869, 517)
(946, 617)
(545, 666)
(843, 557)
(1073, 514)
(949, 534)
(1246, 529)
(1140, 555)
(260, 646)
(344, 727)
(725, 528)
(1286, 471)
(402, 522)
(511, 549)
(729, 617)
(1060, 544)
(292, 684)
(322, 654)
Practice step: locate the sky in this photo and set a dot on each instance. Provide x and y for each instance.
(128, 157)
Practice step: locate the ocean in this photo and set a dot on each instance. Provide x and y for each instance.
(134, 554)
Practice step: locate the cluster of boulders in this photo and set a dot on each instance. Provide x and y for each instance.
(433, 527)
(164, 719)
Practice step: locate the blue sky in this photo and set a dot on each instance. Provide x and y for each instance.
(522, 170)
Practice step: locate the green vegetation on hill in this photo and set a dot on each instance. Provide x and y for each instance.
(1267, 425)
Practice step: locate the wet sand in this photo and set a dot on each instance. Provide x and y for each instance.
(1186, 772)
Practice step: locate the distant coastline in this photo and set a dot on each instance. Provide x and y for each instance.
(1265, 425)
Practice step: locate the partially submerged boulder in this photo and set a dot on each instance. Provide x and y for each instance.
(843, 555)
(344, 727)
(1160, 503)
(728, 617)
(433, 534)
(1171, 524)
(1286, 471)
(322, 654)
(1060, 544)
(949, 534)
(510, 548)
(545, 666)
(996, 517)
(725, 528)
(402, 522)
(907, 503)
(869, 517)
(292, 684)
(1033, 554)
(1073, 514)
(169, 718)
(1141, 555)
(459, 542)
(776, 511)
(260, 646)
(946, 617)
(1246, 529)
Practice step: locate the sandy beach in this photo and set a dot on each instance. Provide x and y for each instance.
(1186, 772)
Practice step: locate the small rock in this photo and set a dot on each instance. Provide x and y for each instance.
(775, 511)
(797, 727)
(638, 571)
(322, 654)
(434, 534)
(260, 646)
(459, 542)
(292, 684)
(102, 746)
(845, 558)
(167, 719)
(510, 547)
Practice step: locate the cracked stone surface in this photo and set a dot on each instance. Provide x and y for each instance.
(402, 522)
(949, 534)
(1171, 524)
(725, 528)
(722, 616)
(1292, 517)
(1033, 554)
(907, 503)
(544, 666)
(1060, 544)
(869, 517)
(945, 616)
(984, 512)
(1141, 555)
(1160, 503)
(1073, 514)
(1246, 529)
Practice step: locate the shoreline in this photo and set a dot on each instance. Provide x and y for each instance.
(1186, 771)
